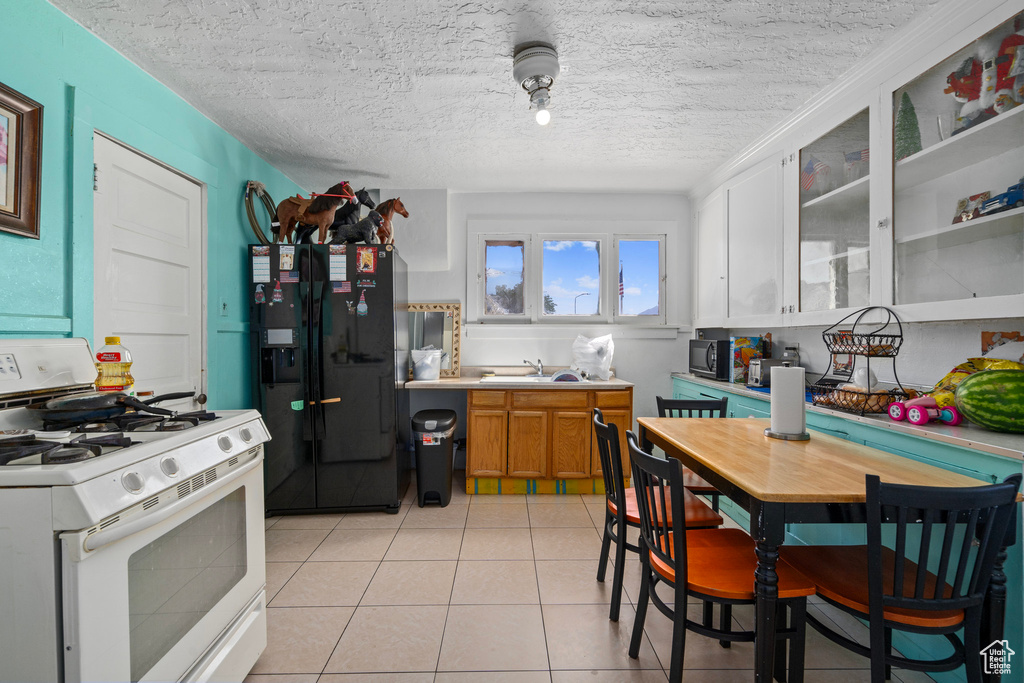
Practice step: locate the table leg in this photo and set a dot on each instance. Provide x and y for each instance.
(767, 526)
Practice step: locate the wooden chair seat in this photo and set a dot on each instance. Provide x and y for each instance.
(699, 514)
(840, 574)
(721, 564)
(697, 483)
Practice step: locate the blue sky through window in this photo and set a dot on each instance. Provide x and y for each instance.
(641, 277)
(572, 276)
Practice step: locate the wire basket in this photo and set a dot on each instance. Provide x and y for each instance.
(866, 339)
(828, 394)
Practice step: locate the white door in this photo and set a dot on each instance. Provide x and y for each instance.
(149, 285)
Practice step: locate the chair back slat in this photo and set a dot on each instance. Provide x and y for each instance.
(961, 533)
(659, 486)
(611, 462)
(677, 407)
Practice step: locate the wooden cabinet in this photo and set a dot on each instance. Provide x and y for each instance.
(541, 434)
(528, 443)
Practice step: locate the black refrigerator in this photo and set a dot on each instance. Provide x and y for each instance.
(331, 347)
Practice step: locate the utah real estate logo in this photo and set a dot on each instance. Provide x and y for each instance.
(997, 657)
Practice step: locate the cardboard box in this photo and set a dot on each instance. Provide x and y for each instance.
(741, 350)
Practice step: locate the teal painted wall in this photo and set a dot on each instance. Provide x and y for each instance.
(84, 85)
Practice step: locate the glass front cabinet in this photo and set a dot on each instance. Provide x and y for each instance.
(958, 169)
(914, 196)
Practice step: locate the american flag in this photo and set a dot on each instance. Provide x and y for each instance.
(622, 289)
(857, 156)
(810, 170)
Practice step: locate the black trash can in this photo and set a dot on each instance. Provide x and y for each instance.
(433, 432)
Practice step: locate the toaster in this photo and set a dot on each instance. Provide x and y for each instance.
(759, 374)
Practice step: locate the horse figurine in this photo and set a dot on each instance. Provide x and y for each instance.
(318, 211)
(364, 230)
(387, 210)
(346, 215)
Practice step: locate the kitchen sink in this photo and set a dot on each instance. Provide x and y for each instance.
(516, 379)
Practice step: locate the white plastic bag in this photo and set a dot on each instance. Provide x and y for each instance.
(593, 357)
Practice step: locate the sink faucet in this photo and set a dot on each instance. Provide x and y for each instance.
(539, 367)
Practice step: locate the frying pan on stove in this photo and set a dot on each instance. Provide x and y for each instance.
(100, 405)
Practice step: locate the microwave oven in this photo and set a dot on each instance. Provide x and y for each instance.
(710, 358)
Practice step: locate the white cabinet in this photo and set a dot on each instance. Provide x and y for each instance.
(878, 228)
(709, 263)
(954, 256)
(754, 219)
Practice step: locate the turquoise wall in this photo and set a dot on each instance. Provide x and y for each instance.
(84, 85)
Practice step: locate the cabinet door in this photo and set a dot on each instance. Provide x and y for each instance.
(755, 245)
(487, 434)
(709, 263)
(623, 420)
(528, 443)
(570, 444)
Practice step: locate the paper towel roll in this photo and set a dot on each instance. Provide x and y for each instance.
(788, 406)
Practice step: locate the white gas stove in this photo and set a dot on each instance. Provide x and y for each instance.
(143, 560)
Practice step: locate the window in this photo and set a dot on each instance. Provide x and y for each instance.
(599, 273)
(572, 277)
(640, 277)
(503, 277)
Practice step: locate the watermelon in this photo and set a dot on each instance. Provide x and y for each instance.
(993, 399)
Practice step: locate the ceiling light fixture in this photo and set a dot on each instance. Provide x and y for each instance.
(535, 68)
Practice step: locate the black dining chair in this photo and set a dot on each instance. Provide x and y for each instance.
(621, 510)
(715, 565)
(681, 407)
(946, 544)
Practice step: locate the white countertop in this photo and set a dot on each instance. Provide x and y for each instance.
(470, 379)
(966, 434)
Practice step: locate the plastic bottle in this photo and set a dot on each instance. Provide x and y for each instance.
(113, 367)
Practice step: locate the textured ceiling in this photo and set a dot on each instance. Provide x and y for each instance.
(419, 94)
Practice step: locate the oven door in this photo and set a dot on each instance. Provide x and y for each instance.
(174, 592)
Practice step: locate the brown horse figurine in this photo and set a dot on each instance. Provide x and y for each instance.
(387, 209)
(318, 211)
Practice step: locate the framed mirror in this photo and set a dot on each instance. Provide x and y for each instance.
(439, 325)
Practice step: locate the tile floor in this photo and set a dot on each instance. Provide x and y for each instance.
(489, 588)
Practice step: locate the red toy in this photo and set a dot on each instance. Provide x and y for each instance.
(921, 410)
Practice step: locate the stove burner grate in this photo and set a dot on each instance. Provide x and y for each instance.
(56, 452)
(133, 421)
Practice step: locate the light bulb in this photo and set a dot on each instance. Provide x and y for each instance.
(543, 116)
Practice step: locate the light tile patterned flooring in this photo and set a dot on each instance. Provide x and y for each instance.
(489, 588)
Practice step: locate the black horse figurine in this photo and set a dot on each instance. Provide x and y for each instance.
(345, 215)
(364, 230)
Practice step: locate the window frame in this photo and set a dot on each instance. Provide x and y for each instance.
(513, 318)
(633, 319)
(608, 233)
(602, 264)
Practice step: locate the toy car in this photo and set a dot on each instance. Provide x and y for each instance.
(921, 410)
(1011, 199)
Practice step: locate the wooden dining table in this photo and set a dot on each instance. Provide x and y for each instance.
(780, 482)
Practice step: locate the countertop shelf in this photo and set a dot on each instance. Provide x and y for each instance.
(965, 435)
(974, 145)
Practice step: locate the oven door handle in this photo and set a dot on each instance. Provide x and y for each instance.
(96, 541)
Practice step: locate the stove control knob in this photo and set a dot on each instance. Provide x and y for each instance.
(224, 441)
(170, 467)
(246, 434)
(132, 481)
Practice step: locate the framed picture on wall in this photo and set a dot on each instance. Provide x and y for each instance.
(21, 127)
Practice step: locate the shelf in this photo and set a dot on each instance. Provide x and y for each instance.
(968, 232)
(835, 257)
(974, 145)
(851, 193)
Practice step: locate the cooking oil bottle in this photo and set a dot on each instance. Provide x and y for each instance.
(113, 367)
